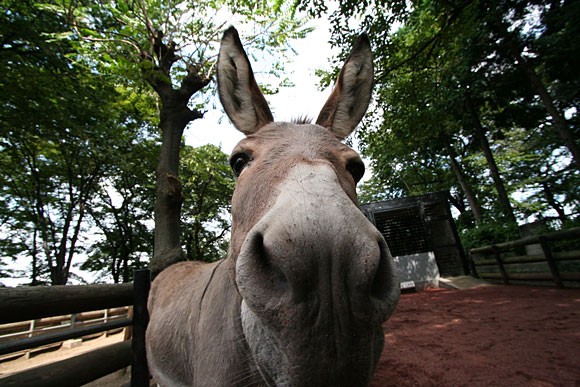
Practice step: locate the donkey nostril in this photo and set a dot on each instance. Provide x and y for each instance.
(270, 262)
(264, 259)
(258, 250)
(259, 274)
(382, 282)
(385, 289)
(379, 286)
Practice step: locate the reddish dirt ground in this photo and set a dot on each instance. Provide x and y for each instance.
(486, 336)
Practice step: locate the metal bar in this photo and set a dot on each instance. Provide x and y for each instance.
(139, 368)
(49, 338)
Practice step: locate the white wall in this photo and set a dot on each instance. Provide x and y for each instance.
(420, 268)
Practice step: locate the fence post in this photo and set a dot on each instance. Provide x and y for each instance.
(30, 334)
(551, 262)
(497, 254)
(139, 368)
(472, 270)
(106, 319)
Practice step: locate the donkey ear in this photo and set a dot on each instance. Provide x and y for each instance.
(239, 93)
(351, 96)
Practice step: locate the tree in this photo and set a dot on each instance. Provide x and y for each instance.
(421, 132)
(475, 88)
(174, 46)
(209, 184)
(63, 125)
(515, 44)
(61, 146)
(122, 212)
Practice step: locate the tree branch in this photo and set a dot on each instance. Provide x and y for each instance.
(193, 82)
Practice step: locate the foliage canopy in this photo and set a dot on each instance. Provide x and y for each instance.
(475, 97)
(93, 105)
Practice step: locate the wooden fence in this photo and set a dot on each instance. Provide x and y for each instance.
(552, 258)
(33, 303)
(13, 332)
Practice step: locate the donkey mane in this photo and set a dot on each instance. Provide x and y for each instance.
(302, 120)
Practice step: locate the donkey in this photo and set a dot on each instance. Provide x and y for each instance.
(308, 281)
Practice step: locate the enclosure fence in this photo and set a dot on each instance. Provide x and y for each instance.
(34, 303)
(552, 258)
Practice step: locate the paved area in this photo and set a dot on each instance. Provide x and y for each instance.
(462, 282)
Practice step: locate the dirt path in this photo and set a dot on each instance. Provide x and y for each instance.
(488, 336)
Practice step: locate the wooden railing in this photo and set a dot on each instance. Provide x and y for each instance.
(33, 303)
(14, 335)
(531, 260)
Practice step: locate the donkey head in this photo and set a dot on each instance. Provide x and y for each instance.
(315, 276)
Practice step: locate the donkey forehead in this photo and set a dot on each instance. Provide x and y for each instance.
(285, 139)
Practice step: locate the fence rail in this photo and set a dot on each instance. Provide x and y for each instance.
(25, 329)
(77, 370)
(21, 304)
(30, 303)
(55, 337)
(539, 264)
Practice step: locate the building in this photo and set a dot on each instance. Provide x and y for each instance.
(421, 236)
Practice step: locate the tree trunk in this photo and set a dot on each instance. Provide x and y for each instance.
(167, 245)
(66, 249)
(458, 202)
(469, 194)
(493, 169)
(559, 121)
(126, 274)
(115, 271)
(34, 280)
(174, 117)
(553, 202)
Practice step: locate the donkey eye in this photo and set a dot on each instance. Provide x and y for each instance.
(356, 168)
(238, 162)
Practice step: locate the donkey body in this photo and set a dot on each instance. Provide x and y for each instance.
(308, 281)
